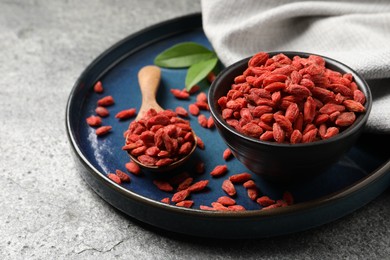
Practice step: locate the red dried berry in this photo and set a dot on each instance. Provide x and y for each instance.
(210, 122)
(240, 177)
(102, 111)
(163, 185)
(166, 200)
(114, 178)
(200, 143)
(180, 196)
(98, 87)
(202, 120)
(193, 109)
(219, 170)
(106, 101)
(229, 188)
(265, 201)
(219, 206)
(194, 89)
(252, 193)
(198, 186)
(180, 94)
(185, 203)
(102, 130)
(249, 184)
(181, 111)
(123, 176)
(227, 154)
(133, 168)
(226, 201)
(211, 77)
(236, 208)
(94, 120)
(185, 184)
(127, 113)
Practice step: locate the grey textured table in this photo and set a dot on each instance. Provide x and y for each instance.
(48, 212)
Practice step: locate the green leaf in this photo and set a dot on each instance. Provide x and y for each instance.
(199, 71)
(183, 55)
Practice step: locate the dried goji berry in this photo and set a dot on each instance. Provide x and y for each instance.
(226, 201)
(193, 109)
(94, 120)
(185, 203)
(180, 94)
(219, 170)
(211, 77)
(98, 87)
(210, 122)
(236, 208)
(228, 187)
(204, 207)
(106, 101)
(127, 113)
(219, 206)
(114, 178)
(265, 201)
(163, 185)
(227, 154)
(180, 196)
(185, 184)
(102, 130)
(249, 184)
(240, 177)
(198, 186)
(181, 111)
(166, 200)
(102, 111)
(123, 176)
(200, 143)
(252, 193)
(133, 168)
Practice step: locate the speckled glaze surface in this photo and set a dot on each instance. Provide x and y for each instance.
(357, 178)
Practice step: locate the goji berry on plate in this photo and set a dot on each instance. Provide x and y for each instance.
(127, 113)
(102, 111)
(98, 87)
(106, 101)
(102, 130)
(114, 178)
(94, 120)
(219, 170)
(122, 175)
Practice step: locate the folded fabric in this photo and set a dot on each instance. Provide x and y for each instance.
(356, 33)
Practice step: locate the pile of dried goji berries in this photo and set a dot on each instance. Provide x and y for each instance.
(160, 138)
(291, 100)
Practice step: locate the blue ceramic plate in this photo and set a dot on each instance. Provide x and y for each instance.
(348, 185)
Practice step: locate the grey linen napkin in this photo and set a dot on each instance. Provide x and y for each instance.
(356, 33)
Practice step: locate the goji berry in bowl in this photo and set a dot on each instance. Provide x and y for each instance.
(289, 115)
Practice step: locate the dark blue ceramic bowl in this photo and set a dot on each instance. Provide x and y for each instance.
(285, 161)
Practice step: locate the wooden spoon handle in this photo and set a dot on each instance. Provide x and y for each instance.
(149, 80)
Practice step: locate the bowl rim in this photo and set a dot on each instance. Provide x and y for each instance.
(350, 130)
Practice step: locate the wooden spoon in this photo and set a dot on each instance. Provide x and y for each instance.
(149, 80)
